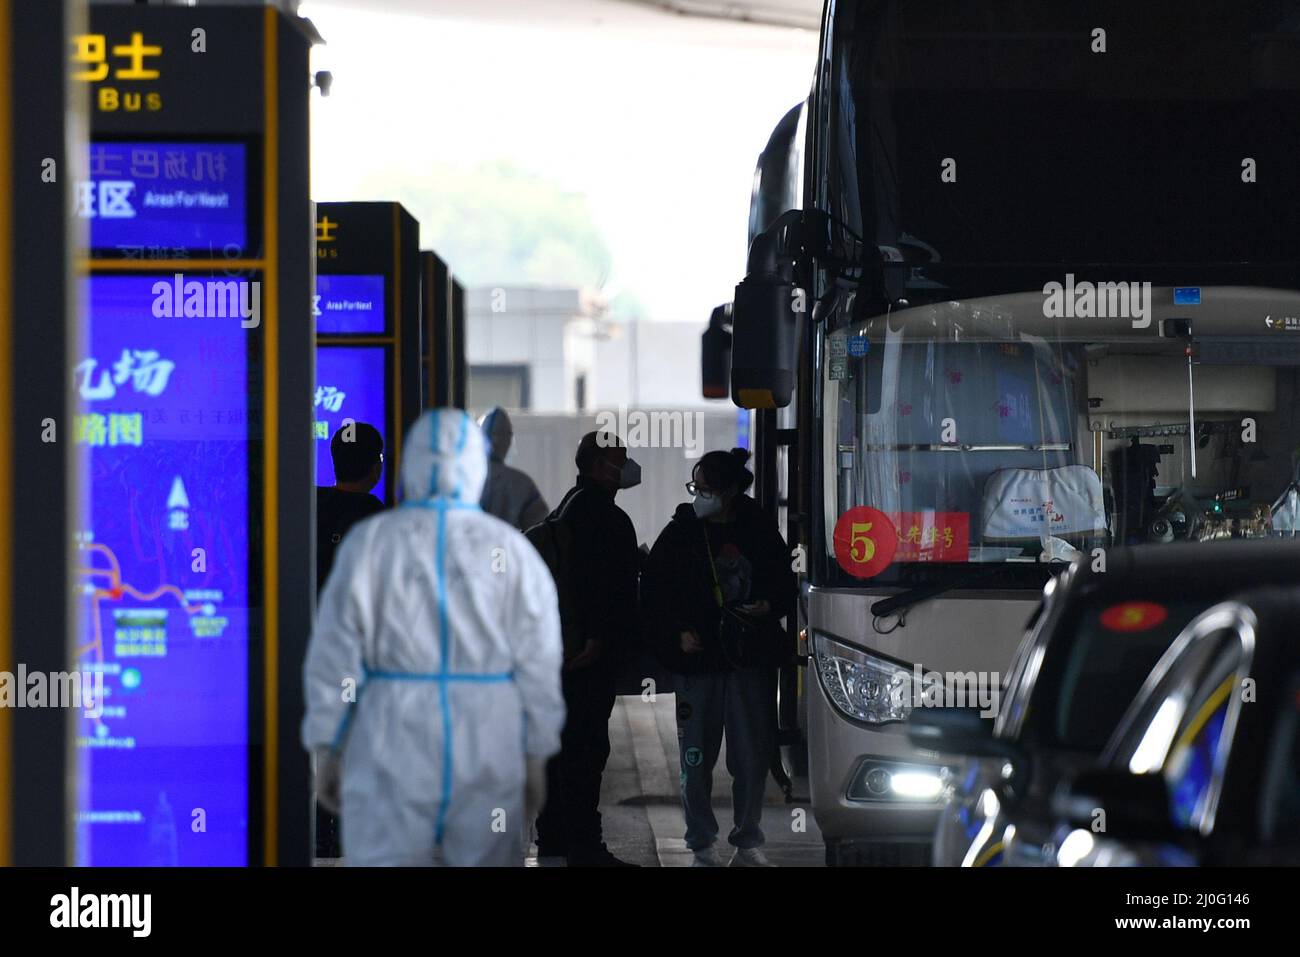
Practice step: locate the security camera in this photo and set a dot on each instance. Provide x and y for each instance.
(323, 80)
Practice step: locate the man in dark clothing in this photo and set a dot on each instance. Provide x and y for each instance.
(358, 453)
(602, 562)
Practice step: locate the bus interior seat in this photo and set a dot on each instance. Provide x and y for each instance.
(1015, 501)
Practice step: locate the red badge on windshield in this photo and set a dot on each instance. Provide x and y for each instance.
(865, 541)
(1133, 616)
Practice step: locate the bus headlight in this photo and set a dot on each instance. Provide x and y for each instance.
(905, 783)
(863, 686)
(917, 785)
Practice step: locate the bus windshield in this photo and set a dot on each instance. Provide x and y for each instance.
(987, 432)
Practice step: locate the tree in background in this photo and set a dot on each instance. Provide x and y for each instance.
(500, 225)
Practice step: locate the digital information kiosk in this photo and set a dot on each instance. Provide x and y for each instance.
(367, 313)
(442, 334)
(456, 352)
(193, 577)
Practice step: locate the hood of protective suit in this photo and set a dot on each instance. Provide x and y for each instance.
(445, 456)
(499, 432)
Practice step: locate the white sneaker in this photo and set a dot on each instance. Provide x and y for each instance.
(750, 857)
(707, 857)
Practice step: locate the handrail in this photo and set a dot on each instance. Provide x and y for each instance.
(959, 447)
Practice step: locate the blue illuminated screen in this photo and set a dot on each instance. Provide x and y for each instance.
(162, 435)
(349, 305)
(166, 200)
(350, 384)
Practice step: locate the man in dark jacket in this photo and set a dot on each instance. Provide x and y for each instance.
(602, 562)
(358, 453)
(716, 585)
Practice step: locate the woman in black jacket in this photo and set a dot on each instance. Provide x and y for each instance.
(715, 588)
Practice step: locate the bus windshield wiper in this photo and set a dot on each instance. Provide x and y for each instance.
(887, 606)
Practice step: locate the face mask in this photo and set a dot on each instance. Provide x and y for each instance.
(630, 475)
(706, 505)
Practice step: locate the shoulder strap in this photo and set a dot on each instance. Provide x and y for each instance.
(713, 569)
(562, 509)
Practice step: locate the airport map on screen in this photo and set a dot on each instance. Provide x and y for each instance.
(163, 577)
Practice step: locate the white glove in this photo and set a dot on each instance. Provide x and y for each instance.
(329, 775)
(534, 789)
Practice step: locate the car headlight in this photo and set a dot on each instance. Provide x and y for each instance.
(863, 686)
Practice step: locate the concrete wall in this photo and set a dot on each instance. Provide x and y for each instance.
(647, 369)
(560, 335)
(544, 446)
(651, 364)
(528, 327)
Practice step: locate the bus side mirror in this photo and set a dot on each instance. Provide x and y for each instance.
(715, 354)
(765, 318)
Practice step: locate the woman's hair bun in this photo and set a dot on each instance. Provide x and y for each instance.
(724, 469)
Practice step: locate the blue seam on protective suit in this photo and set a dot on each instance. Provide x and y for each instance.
(444, 639)
(345, 721)
(443, 691)
(439, 676)
(460, 447)
(443, 504)
(464, 433)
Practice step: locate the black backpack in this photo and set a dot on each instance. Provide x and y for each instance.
(554, 539)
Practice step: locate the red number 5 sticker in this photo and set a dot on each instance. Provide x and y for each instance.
(865, 541)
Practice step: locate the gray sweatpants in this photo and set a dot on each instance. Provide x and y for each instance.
(743, 704)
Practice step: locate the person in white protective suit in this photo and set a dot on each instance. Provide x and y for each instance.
(445, 622)
(509, 494)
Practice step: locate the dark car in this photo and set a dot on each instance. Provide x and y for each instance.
(1090, 647)
(1204, 769)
